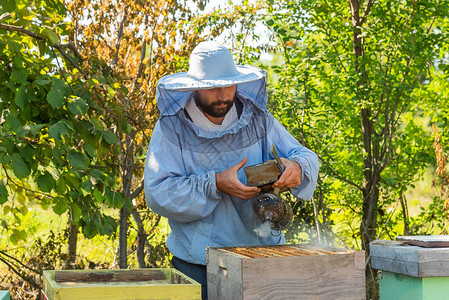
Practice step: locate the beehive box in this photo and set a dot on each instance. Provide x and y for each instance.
(120, 284)
(411, 272)
(285, 272)
(399, 257)
(4, 295)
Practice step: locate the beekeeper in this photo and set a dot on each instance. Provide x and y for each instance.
(213, 121)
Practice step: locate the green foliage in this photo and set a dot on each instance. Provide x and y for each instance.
(49, 123)
(359, 111)
(432, 220)
(357, 83)
(78, 103)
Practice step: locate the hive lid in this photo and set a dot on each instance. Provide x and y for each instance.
(428, 241)
(399, 257)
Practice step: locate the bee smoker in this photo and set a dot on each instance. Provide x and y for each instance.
(269, 205)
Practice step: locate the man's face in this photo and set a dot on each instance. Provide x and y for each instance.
(215, 102)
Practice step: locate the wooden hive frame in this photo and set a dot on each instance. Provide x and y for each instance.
(119, 284)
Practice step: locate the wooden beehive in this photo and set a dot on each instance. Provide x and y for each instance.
(401, 258)
(4, 295)
(412, 272)
(120, 284)
(285, 272)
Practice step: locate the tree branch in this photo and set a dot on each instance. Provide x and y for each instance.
(393, 118)
(339, 176)
(22, 30)
(68, 58)
(62, 72)
(15, 259)
(366, 12)
(60, 47)
(23, 276)
(137, 191)
(329, 36)
(142, 57)
(24, 188)
(5, 15)
(119, 37)
(354, 4)
(72, 47)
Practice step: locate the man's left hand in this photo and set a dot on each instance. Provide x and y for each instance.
(291, 177)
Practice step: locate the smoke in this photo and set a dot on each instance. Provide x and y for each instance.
(303, 233)
(263, 230)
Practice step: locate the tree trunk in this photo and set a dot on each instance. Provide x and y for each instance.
(123, 238)
(404, 207)
(141, 239)
(371, 154)
(72, 240)
(127, 163)
(368, 226)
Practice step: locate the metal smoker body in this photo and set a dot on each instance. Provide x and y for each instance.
(269, 205)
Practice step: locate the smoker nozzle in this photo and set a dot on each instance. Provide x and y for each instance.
(268, 215)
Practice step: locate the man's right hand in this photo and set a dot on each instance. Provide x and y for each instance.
(229, 183)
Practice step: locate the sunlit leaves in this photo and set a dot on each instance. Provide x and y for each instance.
(19, 167)
(78, 106)
(110, 137)
(66, 115)
(3, 194)
(60, 205)
(9, 5)
(57, 130)
(78, 160)
(52, 37)
(46, 182)
(323, 86)
(56, 96)
(21, 98)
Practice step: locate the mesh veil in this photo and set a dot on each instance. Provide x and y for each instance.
(253, 124)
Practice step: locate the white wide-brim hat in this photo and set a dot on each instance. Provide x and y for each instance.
(211, 65)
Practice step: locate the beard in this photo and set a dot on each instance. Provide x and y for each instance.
(213, 109)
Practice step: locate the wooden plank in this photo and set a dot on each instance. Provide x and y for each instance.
(49, 284)
(401, 258)
(434, 269)
(393, 250)
(180, 278)
(429, 241)
(395, 266)
(43, 295)
(175, 286)
(359, 260)
(109, 275)
(337, 274)
(224, 274)
(183, 292)
(421, 268)
(312, 277)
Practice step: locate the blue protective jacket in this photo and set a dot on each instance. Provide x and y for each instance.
(183, 159)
